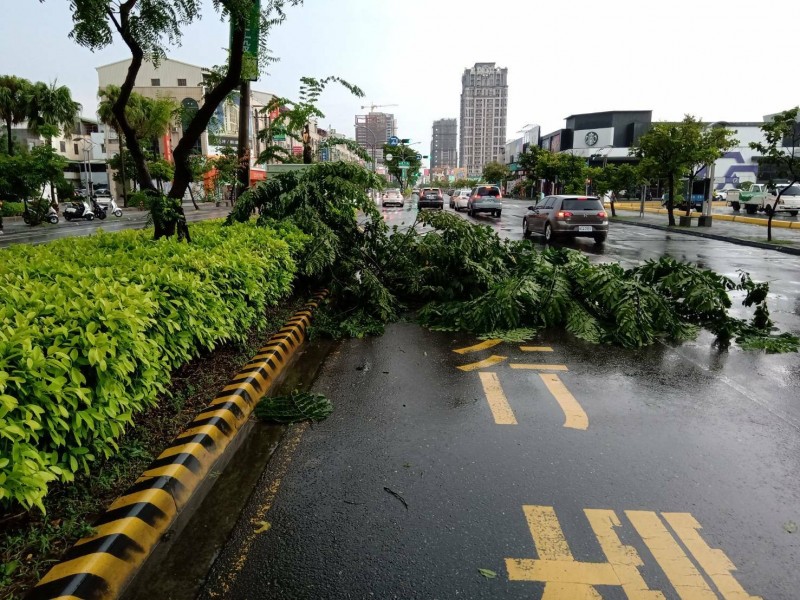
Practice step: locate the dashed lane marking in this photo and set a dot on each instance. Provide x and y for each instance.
(486, 362)
(536, 348)
(498, 403)
(574, 415)
(538, 367)
(478, 347)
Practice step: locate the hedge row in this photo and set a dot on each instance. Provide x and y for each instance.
(90, 329)
(12, 209)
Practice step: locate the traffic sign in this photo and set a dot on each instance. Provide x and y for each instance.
(404, 164)
(419, 156)
(394, 140)
(389, 157)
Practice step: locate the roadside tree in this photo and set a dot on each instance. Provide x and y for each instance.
(403, 153)
(148, 28)
(781, 151)
(495, 172)
(14, 98)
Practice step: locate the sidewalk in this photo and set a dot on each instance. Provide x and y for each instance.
(749, 231)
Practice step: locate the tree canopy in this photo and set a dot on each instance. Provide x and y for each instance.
(495, 172)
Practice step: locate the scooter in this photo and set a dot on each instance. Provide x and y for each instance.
(109, 205)
(30, 216)
(79, 210)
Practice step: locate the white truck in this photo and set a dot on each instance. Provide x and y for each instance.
(761, 199)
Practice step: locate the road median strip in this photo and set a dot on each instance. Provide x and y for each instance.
(100, 566)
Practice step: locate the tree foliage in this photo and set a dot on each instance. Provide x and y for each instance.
(291, 118)
(495, 172)
(14, 98)
(465, 277)
(402, 153)
(781, 150)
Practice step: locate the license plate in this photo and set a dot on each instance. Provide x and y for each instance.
(585, 228)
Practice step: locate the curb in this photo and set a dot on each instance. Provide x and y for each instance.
(100, 567)
(711, 236)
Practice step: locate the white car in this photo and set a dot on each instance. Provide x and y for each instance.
(459, 199)
(392, 197)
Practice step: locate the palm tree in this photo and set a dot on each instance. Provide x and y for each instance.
(51, 105)
(14, 94)
(51, 109)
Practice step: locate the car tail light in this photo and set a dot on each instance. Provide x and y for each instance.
(602, 215)
(563, 214)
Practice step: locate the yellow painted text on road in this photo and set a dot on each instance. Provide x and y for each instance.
(574, 415)
(478, 347)
(498, 403)
(486, 362)
(565, 578)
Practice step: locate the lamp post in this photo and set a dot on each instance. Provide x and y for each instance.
(87, 153)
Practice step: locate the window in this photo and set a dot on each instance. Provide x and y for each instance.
(63, 145)
(75, 147)
(103, 148)
(181, 83)
(155, 82)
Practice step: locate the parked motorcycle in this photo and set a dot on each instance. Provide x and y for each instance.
(108, 203)
(38, 211)
(79, 210)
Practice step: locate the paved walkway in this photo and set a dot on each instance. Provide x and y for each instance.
(751, 230)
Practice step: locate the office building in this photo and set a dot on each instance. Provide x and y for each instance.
(373, 130)
(484, 103)
(443, 143)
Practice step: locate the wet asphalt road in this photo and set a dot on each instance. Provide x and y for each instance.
(564, 468)
(16, 232)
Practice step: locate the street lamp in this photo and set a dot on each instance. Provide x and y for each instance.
(87, 152)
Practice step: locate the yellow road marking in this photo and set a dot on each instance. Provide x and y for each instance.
(536, 348)
(574, 415)
(498, 403)
(538, 367)
(680, 571)
(486, 362)
(478, 347)
(624, 559)
(568, 579)
(713, 561)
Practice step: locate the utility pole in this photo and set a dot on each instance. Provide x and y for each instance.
(243, 152)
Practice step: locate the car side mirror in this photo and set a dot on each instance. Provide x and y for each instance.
(531, 208)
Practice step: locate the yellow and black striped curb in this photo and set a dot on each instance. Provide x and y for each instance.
(99, 567)
(734, 218)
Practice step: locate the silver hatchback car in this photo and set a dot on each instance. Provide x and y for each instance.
(567, 216)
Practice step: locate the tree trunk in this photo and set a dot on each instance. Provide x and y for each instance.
(191, 195)
(689, 197)
(10, 143)
(671, 201)
(122, 170)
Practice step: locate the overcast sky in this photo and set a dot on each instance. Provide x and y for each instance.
(715, 59)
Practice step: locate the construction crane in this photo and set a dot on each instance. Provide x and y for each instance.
(372, 107)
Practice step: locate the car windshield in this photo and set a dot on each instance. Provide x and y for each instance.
(488, 191)
(792, 191)
(581, 204)
(465, 192)
(393, 191)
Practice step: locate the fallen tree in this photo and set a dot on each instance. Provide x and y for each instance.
(462, 276)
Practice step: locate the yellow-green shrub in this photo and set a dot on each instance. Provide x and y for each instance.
(90, 329)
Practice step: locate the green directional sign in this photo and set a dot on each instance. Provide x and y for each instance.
(404, 164)
(279, 137)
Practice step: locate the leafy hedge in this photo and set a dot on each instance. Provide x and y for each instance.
(90, 329)
(12, 209)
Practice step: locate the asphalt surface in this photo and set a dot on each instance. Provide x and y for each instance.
(16, 232)
(565, 470)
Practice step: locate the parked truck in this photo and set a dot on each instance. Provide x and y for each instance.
(759, 198)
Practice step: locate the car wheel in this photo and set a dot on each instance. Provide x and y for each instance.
(735, 206)
(497, 213)
(793, 213)
(548, 232)
(768, 210)
(599, 238)
(750, 209)
(525, 233)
